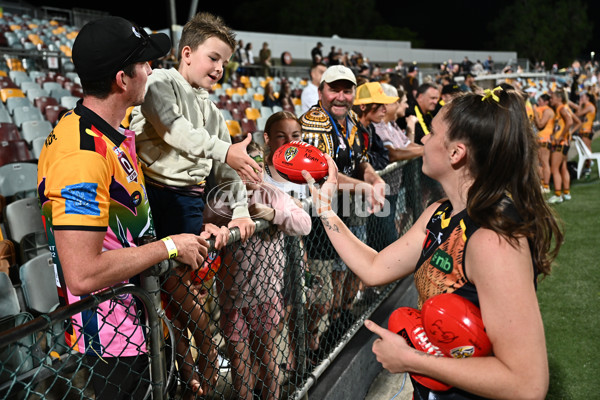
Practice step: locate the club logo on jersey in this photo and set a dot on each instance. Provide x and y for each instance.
(442, 261)
(81, 199)
(127, 167)
(290, 153)
(431, 242)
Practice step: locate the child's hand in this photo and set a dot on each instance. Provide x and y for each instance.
(221, 234)
(262, 211)
(238, 159)
(245, 225)
(321, 197)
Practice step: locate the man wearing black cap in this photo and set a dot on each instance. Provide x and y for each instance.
(94, 203)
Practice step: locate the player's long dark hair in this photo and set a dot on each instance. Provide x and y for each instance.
(502, 159)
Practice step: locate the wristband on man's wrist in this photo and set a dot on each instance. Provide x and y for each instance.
(171, 248)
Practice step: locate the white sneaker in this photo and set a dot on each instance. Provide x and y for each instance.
(545, 190)
(566, 197)
(555, 199)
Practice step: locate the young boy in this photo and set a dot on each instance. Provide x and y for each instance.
(181, 136)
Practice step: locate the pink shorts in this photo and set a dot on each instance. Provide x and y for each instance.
(260, 319)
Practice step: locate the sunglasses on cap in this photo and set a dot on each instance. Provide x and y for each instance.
(144, 40)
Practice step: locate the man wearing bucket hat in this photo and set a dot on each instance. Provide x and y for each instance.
(94, 204)
(333, 128)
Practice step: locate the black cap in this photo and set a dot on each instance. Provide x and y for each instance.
(450, 88)
(106, 45)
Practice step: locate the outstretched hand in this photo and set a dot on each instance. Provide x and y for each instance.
(323, 195)
(221, 234)
(390, 349)
(238, 159)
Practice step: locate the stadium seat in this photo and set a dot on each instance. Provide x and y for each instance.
(42, 102)
(276, 109)
(226, 114)
(59, 93)
(260, 123)
(9, 301)
(9, 132)
(19, 76)
(5, 116)
(37, 145)
(25, 86)
(237, 114)
(248, 126)
(50, 86)
(52, 113)
(252, 113)
(6, 93)
(15, 151)
(23, 217)
(35, 93)
(584, 154)
(38, 283)
(266, 111)
(18, 179)
(35, 129)
(24, 114)
(69, 102)
(14, 102)
(234, 128)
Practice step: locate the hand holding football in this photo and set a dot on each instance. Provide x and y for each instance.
(293, 157)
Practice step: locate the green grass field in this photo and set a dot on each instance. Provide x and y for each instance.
(570, 297)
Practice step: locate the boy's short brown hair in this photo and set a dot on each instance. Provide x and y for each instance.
(203, 26)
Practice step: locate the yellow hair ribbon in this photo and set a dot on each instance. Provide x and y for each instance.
(487, 93)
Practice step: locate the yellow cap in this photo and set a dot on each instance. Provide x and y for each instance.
(372, 93)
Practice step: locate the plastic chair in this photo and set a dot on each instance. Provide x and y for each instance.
(35, 129)
(6, 93)
(24, 227)
(5, 116)
(49, 86)
(25, 86)
(15, 151)
(226, 114)
(38, 283)
(59, 93)
(37, 145)
(9, 132)
(42, 102)
(9, 301)
(260, 123)
(18, 178)
(252, 113)
(584, 154)
(237, 114)
(35, 93)
(234, 128)
(14, 102)
(24, 114)
(69, 102)
(53, 112)
(248, 126)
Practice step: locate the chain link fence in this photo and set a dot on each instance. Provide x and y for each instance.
(262, 319)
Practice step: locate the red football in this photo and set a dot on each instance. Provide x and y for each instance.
(406, 322)
(209, 268)
(293, 157)
(454, 324)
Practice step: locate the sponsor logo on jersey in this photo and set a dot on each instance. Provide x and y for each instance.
(81, 199)
(442, 261)
(127, 167)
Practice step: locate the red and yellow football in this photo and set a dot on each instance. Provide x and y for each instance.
(293, 157)
(454, 324)
(406, 322)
